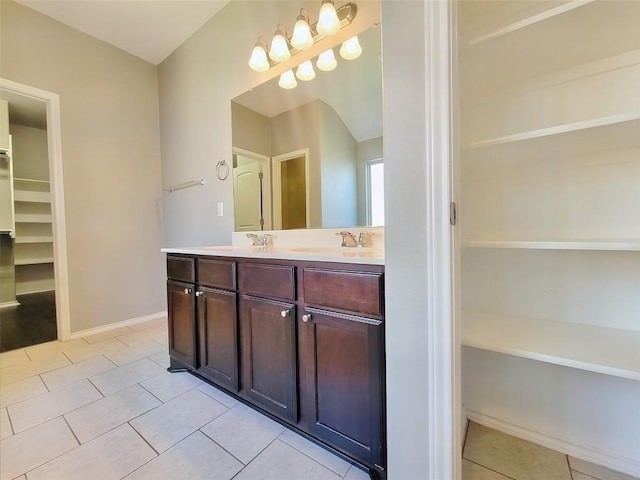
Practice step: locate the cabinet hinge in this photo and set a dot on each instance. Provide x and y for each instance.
(453, 213)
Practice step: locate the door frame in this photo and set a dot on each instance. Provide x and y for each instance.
(54, 146)
(277, 185)
(266, 183)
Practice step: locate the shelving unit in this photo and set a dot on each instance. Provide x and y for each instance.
(550, 208)
(34, 238)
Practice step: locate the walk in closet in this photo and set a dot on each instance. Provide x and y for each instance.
(549, 115)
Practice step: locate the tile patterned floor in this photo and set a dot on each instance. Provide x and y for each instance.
(104, 407)
(492, 455)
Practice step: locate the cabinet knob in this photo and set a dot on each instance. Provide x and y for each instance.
(306, 317)
(187, 291)
(199, 293)
(285, 313)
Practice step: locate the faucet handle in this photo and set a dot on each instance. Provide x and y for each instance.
(363, 238)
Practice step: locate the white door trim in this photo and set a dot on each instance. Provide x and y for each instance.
(277, 183)
(54, 140)
(266, 183)
(445, 443)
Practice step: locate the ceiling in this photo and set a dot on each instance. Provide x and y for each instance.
(149, 29)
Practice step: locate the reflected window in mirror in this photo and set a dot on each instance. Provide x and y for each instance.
(375, 192)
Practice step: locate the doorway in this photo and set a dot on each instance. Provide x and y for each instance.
(38, 240)
(291, 190)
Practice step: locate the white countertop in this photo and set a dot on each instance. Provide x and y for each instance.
(369, 256)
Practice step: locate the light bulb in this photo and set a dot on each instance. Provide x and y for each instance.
(328, 22)
(258, 61)
(279, 49)
(288, 80)
(351, 49)
(305, 71)
(326, 61)
(301, 38)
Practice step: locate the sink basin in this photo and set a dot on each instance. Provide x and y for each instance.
(342, 251)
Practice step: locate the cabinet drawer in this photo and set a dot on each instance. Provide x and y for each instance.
(277, 281)
(359, 292)
(217, 273)
(181, 268)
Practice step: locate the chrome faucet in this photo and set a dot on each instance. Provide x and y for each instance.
(263, 240)
(349, 239)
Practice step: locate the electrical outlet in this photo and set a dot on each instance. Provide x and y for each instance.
(220, 209)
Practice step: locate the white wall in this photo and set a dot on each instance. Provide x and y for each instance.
(111, 162)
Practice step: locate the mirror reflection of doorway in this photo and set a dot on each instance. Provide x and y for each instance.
(291, 190)
(251, 191)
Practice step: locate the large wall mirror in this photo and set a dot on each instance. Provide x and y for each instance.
(311, 156)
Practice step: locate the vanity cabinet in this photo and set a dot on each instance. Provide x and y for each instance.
(217, 322)
(181, 307)
(302, 341)
(341, 348)
(267, 320)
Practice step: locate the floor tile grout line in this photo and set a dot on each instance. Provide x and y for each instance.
(221, 446)
(309, 456)
(145, 441)
(490, 469)
(72, 432)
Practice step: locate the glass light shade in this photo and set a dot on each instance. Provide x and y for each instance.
(326, 61)
(258, 61)
(328, 22)
(279, 51)
(301, 38)
(351, 49)
(305, 71)
(288, 80)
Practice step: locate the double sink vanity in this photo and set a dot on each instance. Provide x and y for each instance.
(294, 329)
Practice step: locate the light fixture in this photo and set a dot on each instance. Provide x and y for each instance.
(288, 80)
(305, 71)
(351, 49)
(279, 51)
(301, 38)
(326, 61)
(259, 61)
(328, 21)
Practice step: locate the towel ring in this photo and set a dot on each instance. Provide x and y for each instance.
(222, 170)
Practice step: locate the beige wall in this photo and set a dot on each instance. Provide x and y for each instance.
(111, 162)
(30, 154)
(338, 165)
(251, 131)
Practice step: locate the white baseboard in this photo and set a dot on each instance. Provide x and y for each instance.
(589, 454)
(13, 303)
(113, 326)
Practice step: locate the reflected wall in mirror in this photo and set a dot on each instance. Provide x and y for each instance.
(312, 156)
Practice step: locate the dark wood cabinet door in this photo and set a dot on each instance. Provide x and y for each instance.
(218, 332)
(268, 355)
(341, 379)
(181, 303)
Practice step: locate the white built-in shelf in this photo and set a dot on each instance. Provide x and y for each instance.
(567, 30)
(609, 351)
(30, 180)
(561, 141)
(32, 218)
(31, 196)
(33, 261)
(596, 244)
(35, 239)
